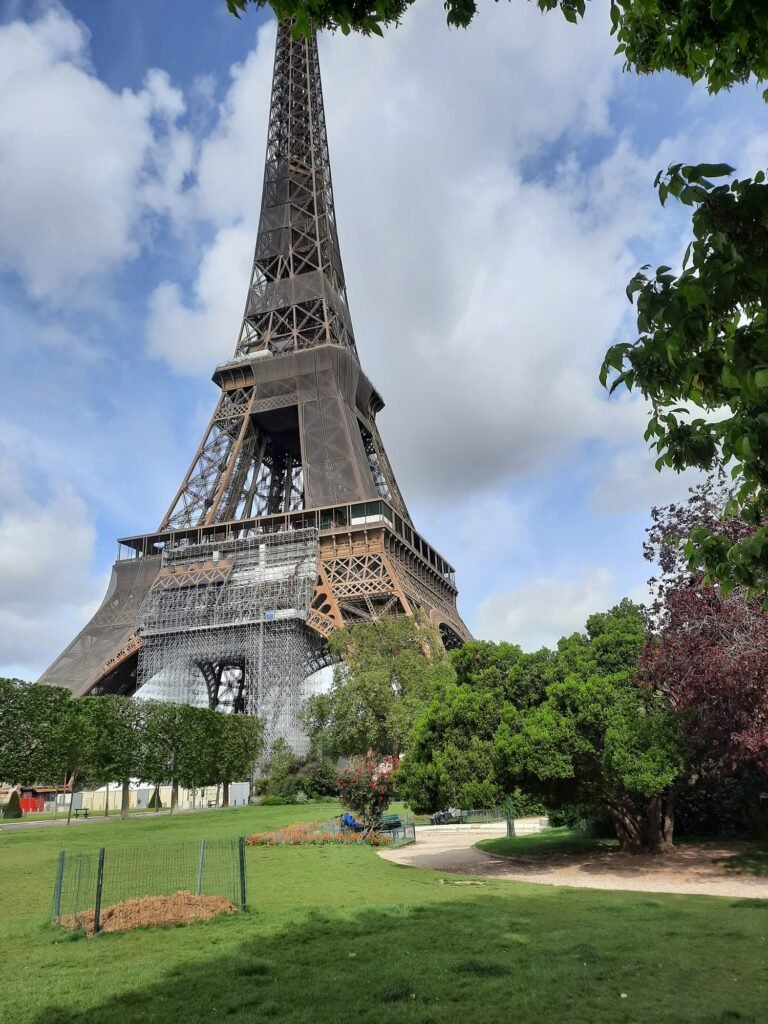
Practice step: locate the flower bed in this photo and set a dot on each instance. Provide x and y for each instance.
(316, 833)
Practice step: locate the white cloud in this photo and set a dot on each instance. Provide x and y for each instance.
(80, 164)
(193, 339)
(47, 591)
(486, 276)
(538, 613)
(631, 483)
(482, 298)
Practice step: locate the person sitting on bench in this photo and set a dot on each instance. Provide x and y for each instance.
(349, 822)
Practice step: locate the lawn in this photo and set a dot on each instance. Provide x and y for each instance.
(753, 859)
(549, 843)
(337, 935)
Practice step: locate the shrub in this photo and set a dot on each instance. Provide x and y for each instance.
(272, 800)
(524, 805)
(13, 808)
(726, 807)
(589, 819)
(366, 789)
(316, 833)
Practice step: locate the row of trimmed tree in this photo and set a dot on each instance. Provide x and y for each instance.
(47, 736)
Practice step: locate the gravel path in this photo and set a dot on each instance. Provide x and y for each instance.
(691, 870)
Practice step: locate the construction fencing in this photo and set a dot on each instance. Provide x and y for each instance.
(89, 882)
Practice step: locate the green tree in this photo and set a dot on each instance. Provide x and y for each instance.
(174, 748)
(38, 733)
(571, 727)
(722, 42)
(198, 739)
(280, 772)
(450, 759)
(388, 671)
(239, 744)
(110, 747)
(701, 359)
(600, 741)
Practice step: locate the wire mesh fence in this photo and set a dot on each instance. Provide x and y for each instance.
(88, 883)
(454, 816)
(404, 834)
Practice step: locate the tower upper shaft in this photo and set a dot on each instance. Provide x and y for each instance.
(297, 296)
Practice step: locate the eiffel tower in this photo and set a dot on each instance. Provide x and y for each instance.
(289, 522)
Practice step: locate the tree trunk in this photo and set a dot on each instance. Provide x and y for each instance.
(106, 800)
(629, 829)
(650, 832)
(174, 795)
(668, 822)
(225, 794)
(157, 800)
(218, 791)
(126, 799)
(72, 781)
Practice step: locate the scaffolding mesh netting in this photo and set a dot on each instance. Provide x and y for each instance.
(224, 626)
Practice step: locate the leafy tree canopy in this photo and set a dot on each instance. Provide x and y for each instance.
(571, 726)
(709, 655)
(38, 732)
(701, 359)
(389, 670)
(720, 41)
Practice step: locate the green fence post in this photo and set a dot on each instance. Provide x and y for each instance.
(242, 873)
(99, 886)
(57, 893)
(510, 810)
(200, 868)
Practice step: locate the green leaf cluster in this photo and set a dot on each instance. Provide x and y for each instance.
(47, 736)
(701, 358)
(371, 17)
(570, 726)
(387, 671)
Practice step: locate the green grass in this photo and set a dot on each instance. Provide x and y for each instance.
(338, 935)
(552, 842)
(753, 860)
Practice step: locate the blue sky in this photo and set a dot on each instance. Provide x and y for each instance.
(493, 192)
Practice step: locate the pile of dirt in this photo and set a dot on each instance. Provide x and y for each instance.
(181, 908)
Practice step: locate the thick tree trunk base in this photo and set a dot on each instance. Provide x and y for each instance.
(648, 833)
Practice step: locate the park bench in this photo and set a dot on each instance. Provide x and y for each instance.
(389, 823)
(446, 818)
(81, 810)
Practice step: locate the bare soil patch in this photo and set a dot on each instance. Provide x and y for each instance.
(181, 908)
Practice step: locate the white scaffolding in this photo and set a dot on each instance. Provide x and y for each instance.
(224, 626)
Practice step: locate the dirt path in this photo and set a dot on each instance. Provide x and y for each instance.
(691, 870)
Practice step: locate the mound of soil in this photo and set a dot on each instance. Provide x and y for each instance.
(181, 908)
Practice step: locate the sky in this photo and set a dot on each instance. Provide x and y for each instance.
(494, 194)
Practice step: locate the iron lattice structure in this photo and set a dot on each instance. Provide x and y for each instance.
(224, 626)
(289, 522)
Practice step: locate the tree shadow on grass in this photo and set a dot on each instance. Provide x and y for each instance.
(483, 960)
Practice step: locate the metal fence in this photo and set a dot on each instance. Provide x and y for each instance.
(89, 882)
(399, 830)
(405, 834)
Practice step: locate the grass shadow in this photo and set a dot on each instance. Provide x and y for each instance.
(544, 956)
